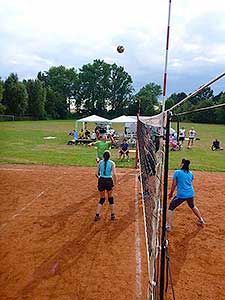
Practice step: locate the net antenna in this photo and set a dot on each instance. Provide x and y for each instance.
(166, 58)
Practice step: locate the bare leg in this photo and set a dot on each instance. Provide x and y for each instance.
(197, 213)
(169, 217)
(99, 209)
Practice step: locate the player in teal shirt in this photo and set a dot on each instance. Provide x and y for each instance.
(182, 181)
(107, 178)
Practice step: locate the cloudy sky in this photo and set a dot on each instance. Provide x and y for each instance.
(38, 34)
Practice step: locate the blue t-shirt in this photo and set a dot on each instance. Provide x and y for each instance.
(184, 184)
(124, 146)
(108, 170)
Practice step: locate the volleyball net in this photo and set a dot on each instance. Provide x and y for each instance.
(151, 152)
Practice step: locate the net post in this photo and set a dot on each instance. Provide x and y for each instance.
(165, 187)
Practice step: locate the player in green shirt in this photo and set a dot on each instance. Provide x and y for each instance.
(102, 146)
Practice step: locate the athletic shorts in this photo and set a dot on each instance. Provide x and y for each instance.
(181, 138)
(127, 152)
(178, 201)
(105, 184)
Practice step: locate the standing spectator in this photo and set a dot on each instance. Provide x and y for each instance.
(124, 149)
(182, 135)
(107, 178)
(191, 136)
(102, 146)
(182, 181)
(87, 134)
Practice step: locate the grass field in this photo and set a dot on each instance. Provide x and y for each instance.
(23, 142)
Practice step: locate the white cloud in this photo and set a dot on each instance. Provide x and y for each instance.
(38, 34)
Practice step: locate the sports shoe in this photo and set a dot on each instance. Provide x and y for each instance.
(97, 218)
(168, 228)
(113, 216)
(201, 222)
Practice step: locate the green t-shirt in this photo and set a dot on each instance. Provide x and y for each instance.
(101, 147)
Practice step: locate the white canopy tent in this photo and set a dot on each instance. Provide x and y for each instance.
(129, 124)
(92, 119)
(124, 119)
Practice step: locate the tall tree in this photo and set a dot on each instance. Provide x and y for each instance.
(2, 107)
(148, 99)
(207, 93)
(55, 105)
(103, 87)
(174, 99)
(93, 87)
(63, 81)
(36, 98)
(15, 96)
(220, 112)
(120, 89)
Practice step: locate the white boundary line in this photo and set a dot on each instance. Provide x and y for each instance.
(13, 169)
(20, 211)
(137, 245)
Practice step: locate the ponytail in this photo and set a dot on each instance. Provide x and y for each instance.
(106, 156)
(185, 165)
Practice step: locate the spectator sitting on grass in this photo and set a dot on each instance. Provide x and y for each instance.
(124, 149)
(81, 134)
(216, 145)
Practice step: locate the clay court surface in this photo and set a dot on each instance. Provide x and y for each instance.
(51, 249)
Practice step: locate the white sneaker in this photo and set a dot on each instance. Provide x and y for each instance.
(168, 228)
(201, 222)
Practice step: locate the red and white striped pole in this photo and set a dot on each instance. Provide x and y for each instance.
(166, 59)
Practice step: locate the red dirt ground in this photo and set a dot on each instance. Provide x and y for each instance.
(197, 254)
(51, 249)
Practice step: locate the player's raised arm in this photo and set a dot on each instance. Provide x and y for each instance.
(111, 139)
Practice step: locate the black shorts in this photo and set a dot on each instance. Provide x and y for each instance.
(105, 184)
(178, 201)
(181, 138)
(126, 152)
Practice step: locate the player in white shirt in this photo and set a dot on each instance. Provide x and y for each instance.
(191, 135)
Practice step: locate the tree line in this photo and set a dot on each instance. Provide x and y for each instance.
(96, 88)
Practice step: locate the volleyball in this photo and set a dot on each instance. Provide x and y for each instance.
(120, 49)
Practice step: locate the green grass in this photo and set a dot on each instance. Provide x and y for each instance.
(201, 156)
(23, 142)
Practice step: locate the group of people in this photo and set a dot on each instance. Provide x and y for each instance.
(107, 177)
(182, 183)
(177, 144)
(106, 171)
